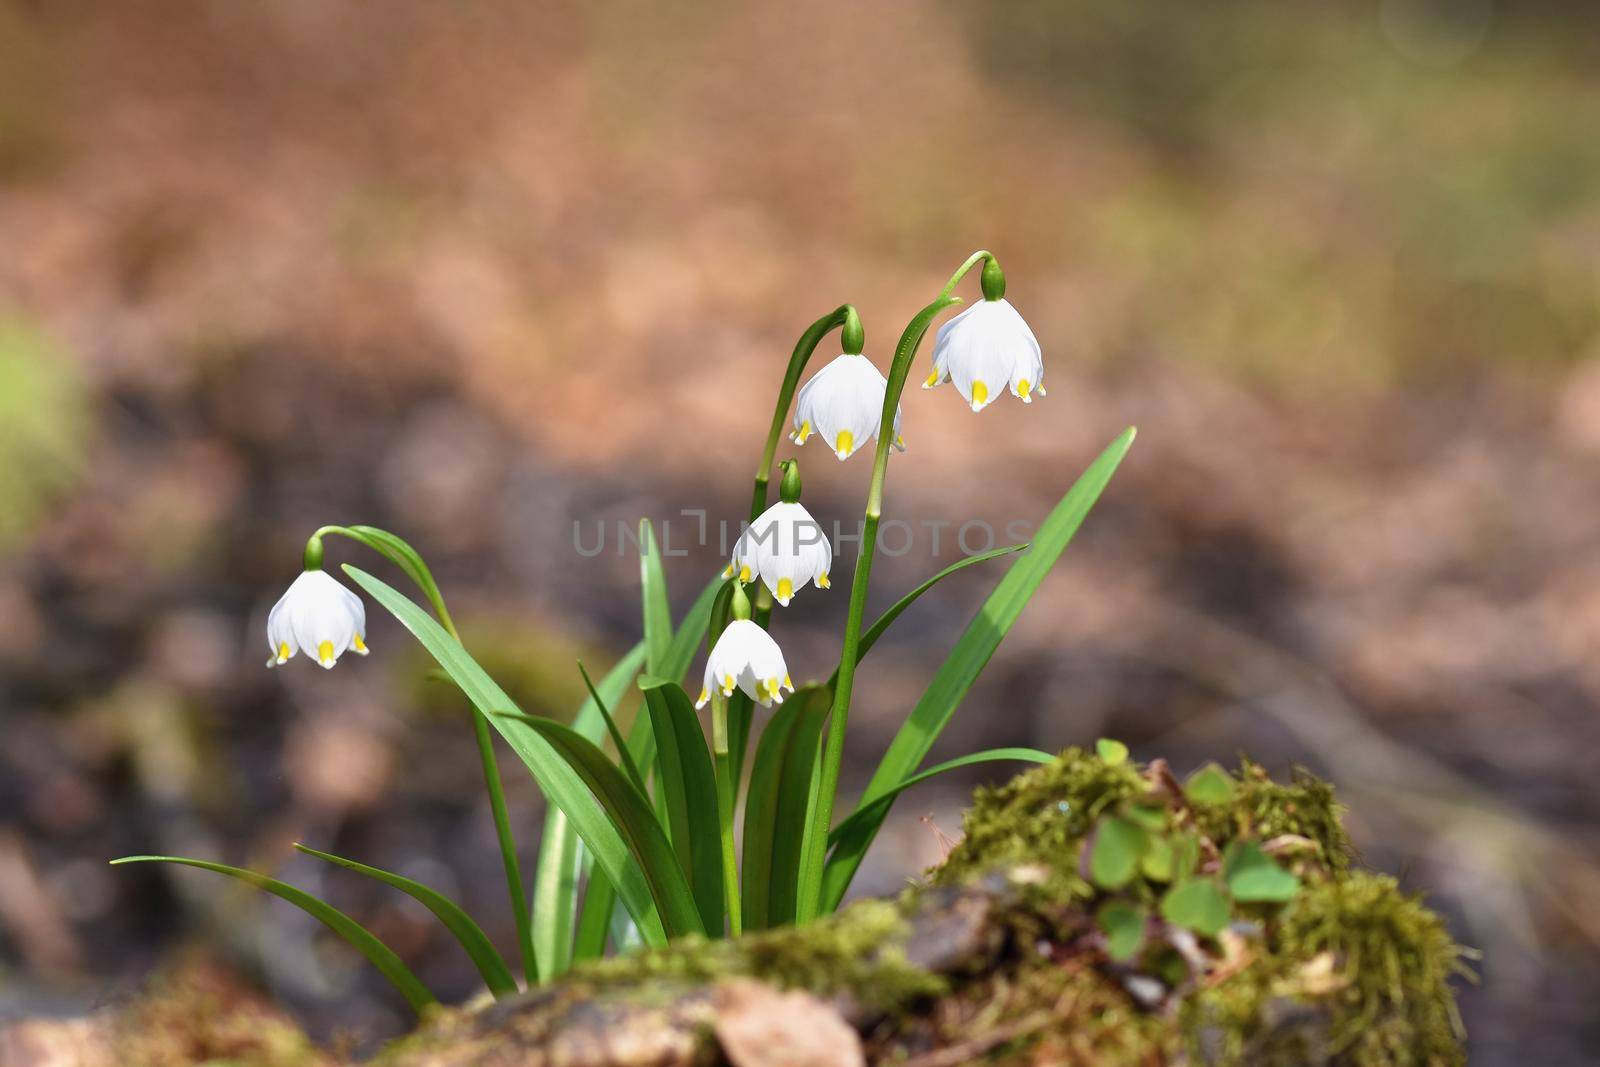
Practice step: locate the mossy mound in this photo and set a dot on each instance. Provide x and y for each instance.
(1313, 960)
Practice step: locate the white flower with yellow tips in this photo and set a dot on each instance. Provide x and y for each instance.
(319, 617)
(843, 405)
(985, 349)
(785, 545)
(787, 548)
(746, 657)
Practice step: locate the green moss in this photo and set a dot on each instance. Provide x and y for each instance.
(1356, 968)
(1041, 816)
(1351, 966)
(1394, 958)
(857, 952)
(1262, 809)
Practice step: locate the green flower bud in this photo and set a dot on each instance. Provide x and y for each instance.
(789, 488)
(313, 556)
(852, 335)
(739, 604)
(993, 280)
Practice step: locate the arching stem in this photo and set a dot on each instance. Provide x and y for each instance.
(833, 755)
(803, 349)
(403, 555)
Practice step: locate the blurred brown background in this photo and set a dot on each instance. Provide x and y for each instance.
(476, 271)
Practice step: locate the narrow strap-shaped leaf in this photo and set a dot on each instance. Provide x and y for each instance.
(971, 653)
(555, 883)
(776, 804)
(399, 552)
(690, 634)
(870, 636)
(359, 937)
(496, 975)
(632, 818)
(685, 641)
(862, 815)
(625, 757)
(561, 784)
(689, 786)
(594, 921)
(653, 593)
(601, 896)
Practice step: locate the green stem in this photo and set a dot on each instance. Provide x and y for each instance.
(725, 803)
(803, 349)
(811, 869)
(418, 571)
(961, 271)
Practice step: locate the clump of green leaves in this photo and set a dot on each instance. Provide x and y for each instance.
(1149, 860)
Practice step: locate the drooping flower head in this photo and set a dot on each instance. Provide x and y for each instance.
(843, 404)
(319, 617)
(745, 657)
(785, 545)
(987, 348)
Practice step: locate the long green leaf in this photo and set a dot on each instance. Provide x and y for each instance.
(870, 636)
(680, 652)
(653, 593)
(359, 937)
(631, 816)
(876, 809)
(776, 805)
(397, 551)
(561, 784)
(624, 757)
(489, 962)
(971, 653)
(690, 634)
(689, 786)
(558, 877)
(555, 884)
(594, 923)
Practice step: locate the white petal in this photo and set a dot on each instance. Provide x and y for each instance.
(750, 655)
(986, 349)
(322, 616)
(845, 398)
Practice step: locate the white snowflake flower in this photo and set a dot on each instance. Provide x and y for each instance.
(787, 548)
(319, 617)
(984, 349)
(746, 657)
(843, 404)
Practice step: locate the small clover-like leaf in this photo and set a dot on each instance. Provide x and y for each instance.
(1197, 904)
(1115, 852)
(1253, 876)
(1185, 854)
(1123, 924)
(1112, 752)
(1210, 785)
(1157, 862)
(1153, 819)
